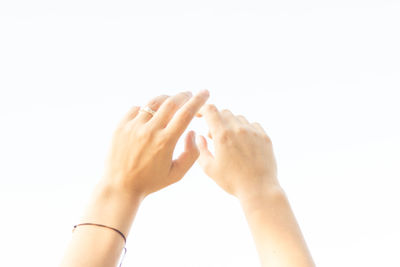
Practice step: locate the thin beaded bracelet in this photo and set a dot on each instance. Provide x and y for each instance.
(116, 230)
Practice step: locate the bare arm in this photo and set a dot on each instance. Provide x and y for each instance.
(98, 246)
(277, 236)
(140, 163)
(244, 165)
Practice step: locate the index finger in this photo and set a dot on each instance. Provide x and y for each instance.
(185, 115)
(212, 116)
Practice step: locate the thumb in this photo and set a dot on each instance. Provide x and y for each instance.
(206, 159)
(185, 160)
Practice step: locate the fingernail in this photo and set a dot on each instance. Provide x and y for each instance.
(188, 93)
(205, 92)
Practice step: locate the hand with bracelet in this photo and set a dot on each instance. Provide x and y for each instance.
(140, 162)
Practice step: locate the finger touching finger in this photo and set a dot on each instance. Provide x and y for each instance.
(185, 115)
(212, 116)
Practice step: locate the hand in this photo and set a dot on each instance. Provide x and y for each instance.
(244, 164)
(140, 160)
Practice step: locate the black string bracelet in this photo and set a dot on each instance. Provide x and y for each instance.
(116, 230)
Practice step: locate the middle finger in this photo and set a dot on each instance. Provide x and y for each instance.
(169, 108)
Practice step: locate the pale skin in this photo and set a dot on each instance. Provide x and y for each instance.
(141, 162)
(244, 165)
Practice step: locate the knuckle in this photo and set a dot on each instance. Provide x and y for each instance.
(146, 132)
(227, 114)
(161, 142)
(134, 109)
(154, 103)
(242, 118)
(267, 139)
(257, 126)
(186, 94)
(141, 134)
(164, 96)
(211, 108)
(224, 136)
(121, 130)
(242, 130)
(170, 104)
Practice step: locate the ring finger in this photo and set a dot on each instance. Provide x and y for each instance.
(154, 105)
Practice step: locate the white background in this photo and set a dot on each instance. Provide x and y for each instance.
(322, 77)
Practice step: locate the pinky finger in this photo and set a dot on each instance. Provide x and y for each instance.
(130, 115)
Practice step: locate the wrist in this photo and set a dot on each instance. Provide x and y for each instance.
(110, 205)
(117, 185)
(271, 196)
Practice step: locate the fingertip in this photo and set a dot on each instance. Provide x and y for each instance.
(202, 111)
(188, 93)
(205, 93)
(202, 144)
(190, 134)
(203, 140)
(190, 143)
(186, 159)
(189, 138)
(206, 158)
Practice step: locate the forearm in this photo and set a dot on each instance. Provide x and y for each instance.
(140, 161)
(94, 246)
(275, 231)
